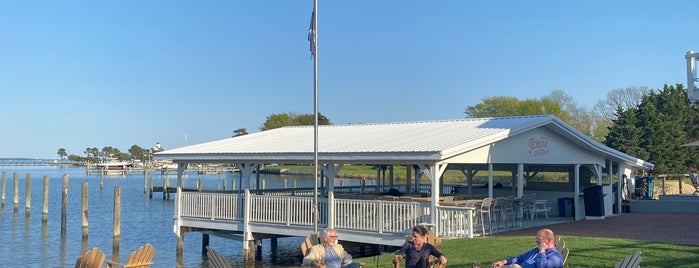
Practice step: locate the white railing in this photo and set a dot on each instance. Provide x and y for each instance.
(371, 216)
(214, 206)
(286, 210)
(379, 216)
(455, 221)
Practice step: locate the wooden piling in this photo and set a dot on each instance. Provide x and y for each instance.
(199, 185)
(117, 218)
(4, 180)
(64, 205)
(84, 206)
(145, 179)
(204, 243)
(224, 185)
(45, 207)
(102, 180)
(151, 188)
(165, 193)
(180, 247)
(15, 186)
(28, 195)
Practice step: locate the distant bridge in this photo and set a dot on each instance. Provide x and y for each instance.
(33, 162)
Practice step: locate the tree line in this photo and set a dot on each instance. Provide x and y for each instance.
(95, 155)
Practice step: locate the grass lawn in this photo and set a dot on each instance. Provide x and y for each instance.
(584, 252)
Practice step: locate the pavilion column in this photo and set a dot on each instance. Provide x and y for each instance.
(520, 180)
(576, 199)
(378, 178)
(390, 176)
(331, 171)
(246, 170)
(490, 179)
(181, 167)
(434, 172)
(408, 169)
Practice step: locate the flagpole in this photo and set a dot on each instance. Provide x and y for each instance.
(314, 52)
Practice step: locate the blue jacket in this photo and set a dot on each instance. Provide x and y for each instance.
(532, 259)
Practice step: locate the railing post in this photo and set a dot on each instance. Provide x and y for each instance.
(247, 251)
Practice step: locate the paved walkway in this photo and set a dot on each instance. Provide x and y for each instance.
(666, 228)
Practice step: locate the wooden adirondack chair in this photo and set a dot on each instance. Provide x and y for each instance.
(90, 259)
(436, 242)
(632, 261)
(142, 257)
(217, 260)
(308, 243)
(311, 241)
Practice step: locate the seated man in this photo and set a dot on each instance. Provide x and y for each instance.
(544, 255)
(329, 252)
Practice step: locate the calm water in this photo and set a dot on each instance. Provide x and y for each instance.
(27, 242)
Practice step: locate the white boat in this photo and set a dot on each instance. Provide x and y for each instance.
(115, 167)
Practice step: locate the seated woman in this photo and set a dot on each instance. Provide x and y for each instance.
(417, 252)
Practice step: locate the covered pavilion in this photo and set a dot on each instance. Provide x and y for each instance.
(522, 145)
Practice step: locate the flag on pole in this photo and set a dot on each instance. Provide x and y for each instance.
(312, 34)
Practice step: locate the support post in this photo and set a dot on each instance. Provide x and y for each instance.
(84, 207)
(28, 195)
(64, 205)
(15, 198)
(4, 180)
(45, 207)
(116, 235)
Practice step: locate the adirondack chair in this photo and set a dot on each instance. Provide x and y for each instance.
(311, 241)
(307, 244)
(90, 259)
(142, 257)
(436, 242)
(632, 261)
(217, 260)
(695, 182)
(564, 253)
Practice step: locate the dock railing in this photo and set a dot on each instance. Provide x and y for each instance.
(365, 216)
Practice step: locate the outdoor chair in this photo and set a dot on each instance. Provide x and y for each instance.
(142, 257)
(217, 260)
(632, 261)
(311, 241)
(695, 181)
(484, 210)
(432, 239)
(93, 258)
(564, 254)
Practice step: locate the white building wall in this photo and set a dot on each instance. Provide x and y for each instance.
(538, 146)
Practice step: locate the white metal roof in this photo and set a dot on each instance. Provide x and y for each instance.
(382, 143)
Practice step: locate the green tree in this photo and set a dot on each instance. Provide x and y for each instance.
(62, 153)
(655, 129)
(511, 106)
(240, 132)
(92, 154)
(137, 152)
(290, 119)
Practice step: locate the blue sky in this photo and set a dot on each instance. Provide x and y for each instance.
(77, 74)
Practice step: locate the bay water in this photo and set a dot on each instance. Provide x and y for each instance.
(26, 241)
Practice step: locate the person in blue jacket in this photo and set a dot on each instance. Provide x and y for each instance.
(544, 255)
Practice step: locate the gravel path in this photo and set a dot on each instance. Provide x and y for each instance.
(666, 228)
